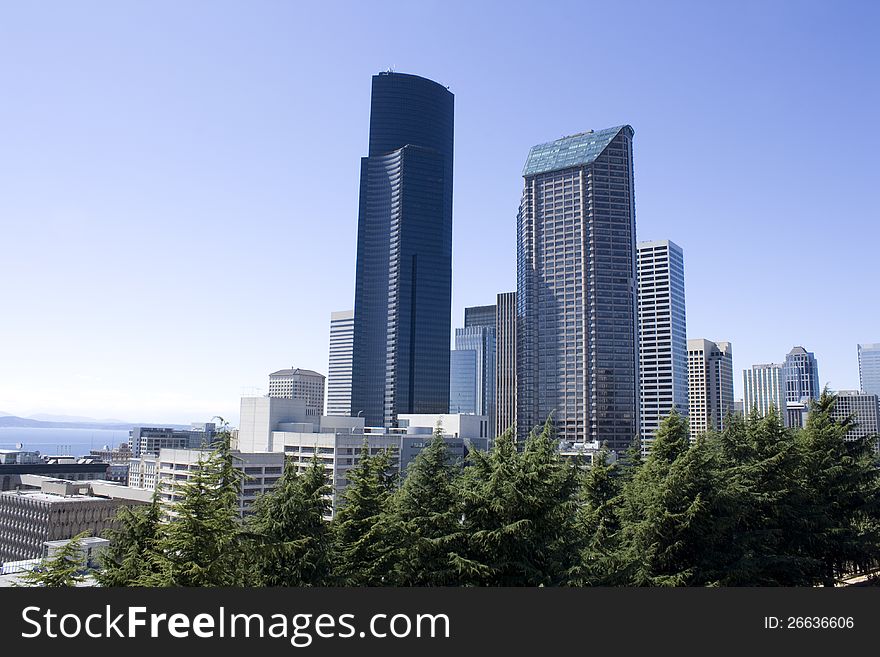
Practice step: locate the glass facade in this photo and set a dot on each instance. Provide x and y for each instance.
(463, 381)
(403, 282)
(339, 370)
(763, 387)
(869, 368)
(505, 362)
(481, 341)
(577, 344)
(801, 376)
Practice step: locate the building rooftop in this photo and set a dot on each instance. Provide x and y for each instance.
(297, 370)
(572, 151)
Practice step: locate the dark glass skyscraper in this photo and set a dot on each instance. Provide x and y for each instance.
(577, 340)
(403, 286)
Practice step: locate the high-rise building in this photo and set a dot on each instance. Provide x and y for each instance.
(863, 408)
(297, 383)
(478, 336)
(710, 385)
(763, 387)
(663, 360)
(463, 381)
(869, 368)
(403, 285)
(801, 376)
(479, 316)
(339, 368)
(505, 362)
(577, 340)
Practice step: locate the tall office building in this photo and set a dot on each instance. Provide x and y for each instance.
(463, 392)
(577, 340)
(297, 383)
(710, 385)
(403, 286)
(763, 387)
(663, 360)
(339, 369)
(479, 316)
(505, 362)
(801, 376)
(477, 336)
(869, 368)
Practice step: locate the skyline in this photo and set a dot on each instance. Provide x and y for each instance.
(239, 192)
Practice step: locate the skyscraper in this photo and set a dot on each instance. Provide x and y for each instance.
(710, 385)
(863, 408)
(869, 368)
(339, 370)
(505, 362)
(463, 390)
(763, 387)
(577, 344)
(477, 336)
(403, 286)
(663, 360)
(801, 376)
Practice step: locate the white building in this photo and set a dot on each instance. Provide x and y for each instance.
(763, 387)
(339, 367)
(710, 385)
(173, 467)
(663, 362)
(864, 409)
(296, 383)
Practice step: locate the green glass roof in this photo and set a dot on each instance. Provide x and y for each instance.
(574, 151)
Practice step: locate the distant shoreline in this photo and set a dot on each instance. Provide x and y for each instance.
(21, 422)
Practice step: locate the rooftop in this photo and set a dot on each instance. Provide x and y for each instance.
(572, 151)
(297, 370)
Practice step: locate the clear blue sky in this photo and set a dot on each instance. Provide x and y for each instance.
(179, 180)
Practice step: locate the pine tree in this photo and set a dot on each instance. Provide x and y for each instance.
(365, 546)
(200, 544)
(841, 478)
(599, 522)
(518, 514)
(133, 546)
(760, 531)
(291, 539)
(666, 511)
(65, 568)
(424, 516)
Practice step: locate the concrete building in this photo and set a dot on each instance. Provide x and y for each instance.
(710, 385)
(663, 360)
(863, 408)
(869, 368)
(16, 462)
(505, 362)
(149, 440)
(54, 509)
(763, 387)
(296, 383)
(584, 453)
(173, 468)
(577, 332)
(339, 367)
(403, 280)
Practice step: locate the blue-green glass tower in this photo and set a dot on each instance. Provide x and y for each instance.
(403, 285)
(577, 339)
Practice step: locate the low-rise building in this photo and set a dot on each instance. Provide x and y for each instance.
(16, 462)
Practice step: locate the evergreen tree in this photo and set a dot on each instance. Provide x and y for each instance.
(424, 516)
(365, 547)
(841, 478)
(518, 514)
(65, 568)
(599, 522)
(200, 544)
(666, 511)
(760, 532)
(132, 545)
(291, 539)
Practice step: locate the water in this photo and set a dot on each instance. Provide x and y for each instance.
(73, 442)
